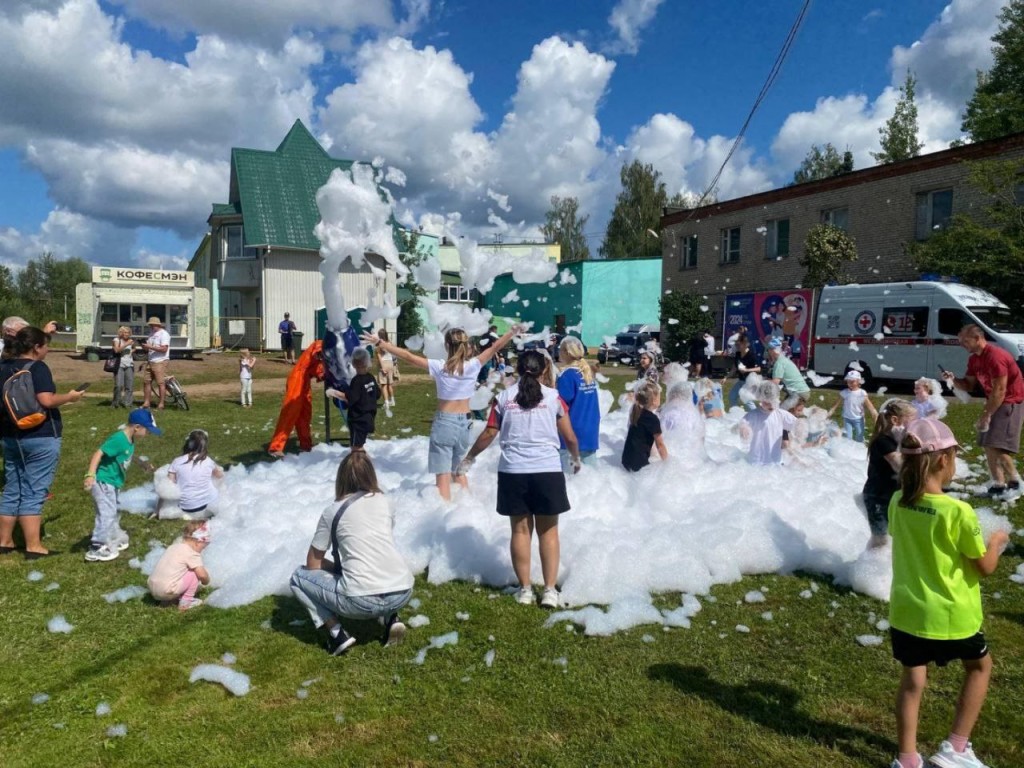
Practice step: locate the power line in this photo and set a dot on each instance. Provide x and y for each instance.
(769, 81)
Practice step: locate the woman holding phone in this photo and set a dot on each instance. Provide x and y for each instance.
(30, 455)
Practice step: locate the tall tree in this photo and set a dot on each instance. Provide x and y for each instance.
(823, 163)
(986, 251)
(687, 201)
(564, 225)
(409, 322)
(827, 251)
(997, 106)
(899, 134)
(48, 285)
(632, 229)
(681, 319)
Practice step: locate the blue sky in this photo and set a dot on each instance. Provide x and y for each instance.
(121, 114)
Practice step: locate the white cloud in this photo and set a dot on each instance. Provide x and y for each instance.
(66, 235)
(268, 23)
(627, 19)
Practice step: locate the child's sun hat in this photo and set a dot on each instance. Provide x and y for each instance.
(932, 434)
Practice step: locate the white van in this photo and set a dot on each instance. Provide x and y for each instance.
(906, 330)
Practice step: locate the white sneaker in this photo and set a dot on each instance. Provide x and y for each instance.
(188, 605)
(123, 543)
(524, 596)
(101, 554)
(920, 761)
(550, 598)
(947, 757)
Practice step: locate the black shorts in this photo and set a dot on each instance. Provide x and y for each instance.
(913, 651)
(541, 493)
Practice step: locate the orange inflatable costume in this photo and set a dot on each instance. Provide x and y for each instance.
(297, 408)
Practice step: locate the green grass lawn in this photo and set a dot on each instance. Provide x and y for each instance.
(794, 691)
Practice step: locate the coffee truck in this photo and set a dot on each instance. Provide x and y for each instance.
(129, 296)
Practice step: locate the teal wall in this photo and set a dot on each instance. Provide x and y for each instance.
(607, 295)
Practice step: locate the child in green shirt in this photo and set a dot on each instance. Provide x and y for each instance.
(938, 555)
(106, 477)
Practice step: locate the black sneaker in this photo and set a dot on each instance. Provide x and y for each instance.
(338, 645)
(1013, 485)
(996, 490)
(394, 630)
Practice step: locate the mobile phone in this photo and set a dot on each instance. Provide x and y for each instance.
(941, 369)
(83, 386)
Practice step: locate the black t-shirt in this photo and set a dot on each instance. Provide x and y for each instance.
(748, 361)
(698, 350)
(882, 479)
(636, 454)
(42, 380)
(363, 394)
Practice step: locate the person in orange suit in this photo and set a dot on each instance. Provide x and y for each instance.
(297, 408)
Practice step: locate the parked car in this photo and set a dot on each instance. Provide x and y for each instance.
(629, 343)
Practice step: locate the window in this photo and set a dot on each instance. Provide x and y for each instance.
(905, 321)
(234, 247)
(777, 239)
(688, 252)
(451, 292)
(837, 217)
(952, 320)
(731, 246)
(934, 210)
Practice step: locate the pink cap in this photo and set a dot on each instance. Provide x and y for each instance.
(933, 435)
(202, 533)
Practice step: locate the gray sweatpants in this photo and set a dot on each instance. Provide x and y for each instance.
(107, 527)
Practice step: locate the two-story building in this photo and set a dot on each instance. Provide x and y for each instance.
(754, 243)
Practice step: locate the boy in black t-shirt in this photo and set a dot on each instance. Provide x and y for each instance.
(363, 394)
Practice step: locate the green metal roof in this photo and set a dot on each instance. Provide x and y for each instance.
(276, 191)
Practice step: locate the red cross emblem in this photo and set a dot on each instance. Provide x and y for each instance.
(865, 321)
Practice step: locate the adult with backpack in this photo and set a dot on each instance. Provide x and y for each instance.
(31, 428)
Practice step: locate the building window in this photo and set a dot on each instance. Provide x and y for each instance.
(688, 252)
(234, 247)
(459, 293)
(777, 239)
(837, 217)
(934, 210)
(731, 245)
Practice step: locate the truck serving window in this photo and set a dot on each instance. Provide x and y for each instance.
(999, 319)
(905, 321)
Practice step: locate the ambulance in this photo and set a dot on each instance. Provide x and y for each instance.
(904, 331)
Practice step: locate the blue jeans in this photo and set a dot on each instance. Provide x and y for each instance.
(854, 428)
(318, 592)
(29, 466)
(449, 442)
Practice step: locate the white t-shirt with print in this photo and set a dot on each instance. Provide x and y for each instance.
(452, 386)
(195, 481)
(853, 403)
(159, 338)
(529, 436)
(766, 434)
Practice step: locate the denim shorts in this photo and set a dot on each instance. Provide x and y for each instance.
(449, 442)
(30, 465)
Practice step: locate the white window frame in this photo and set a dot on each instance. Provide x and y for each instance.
(730, 255)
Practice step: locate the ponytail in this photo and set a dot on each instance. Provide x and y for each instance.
(891, 409)
(196, 446)
(574, 350)
(530, 368)
(460, 351)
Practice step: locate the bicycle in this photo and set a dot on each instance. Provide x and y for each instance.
(176, 394)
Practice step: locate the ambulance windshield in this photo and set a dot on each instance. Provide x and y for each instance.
(999, 319)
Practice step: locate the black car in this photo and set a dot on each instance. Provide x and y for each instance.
(629, 343)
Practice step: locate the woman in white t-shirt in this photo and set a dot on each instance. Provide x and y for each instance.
(366, 576)
(530, 418)
(194, 472)
(456, 380)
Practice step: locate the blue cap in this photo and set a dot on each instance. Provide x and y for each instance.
(144, 418)
(775, 344)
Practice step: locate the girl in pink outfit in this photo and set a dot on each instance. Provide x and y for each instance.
(180, 571)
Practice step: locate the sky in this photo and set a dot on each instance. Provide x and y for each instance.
(119, 116)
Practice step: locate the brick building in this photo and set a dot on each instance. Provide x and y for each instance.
(754, 243)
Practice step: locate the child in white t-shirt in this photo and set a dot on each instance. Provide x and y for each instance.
(854, 400)
(180, 571)
(194, 472)
(928, 400)
(246, 362)
(768, 427)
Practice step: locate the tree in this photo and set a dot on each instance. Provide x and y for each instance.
(632, 229)
(409, 322)
(827, 250)
(564, 225)
(899, 134)
(687, 201)
(47, 285)
(681, 319)
(986, 252)
(997, 106)
(823, 163)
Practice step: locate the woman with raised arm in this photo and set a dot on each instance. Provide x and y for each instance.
(455, 379)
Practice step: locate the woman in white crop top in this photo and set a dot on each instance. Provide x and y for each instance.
(455, 379)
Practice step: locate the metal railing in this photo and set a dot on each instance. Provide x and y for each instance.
(238, 332)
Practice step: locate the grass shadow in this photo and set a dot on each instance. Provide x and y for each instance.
(1015, 617)
(777, 707)
(289, 617)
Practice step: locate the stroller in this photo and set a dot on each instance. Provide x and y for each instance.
(175, 394)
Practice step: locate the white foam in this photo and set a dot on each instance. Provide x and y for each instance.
(59, 625)
(124, 594)
(235, 682)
